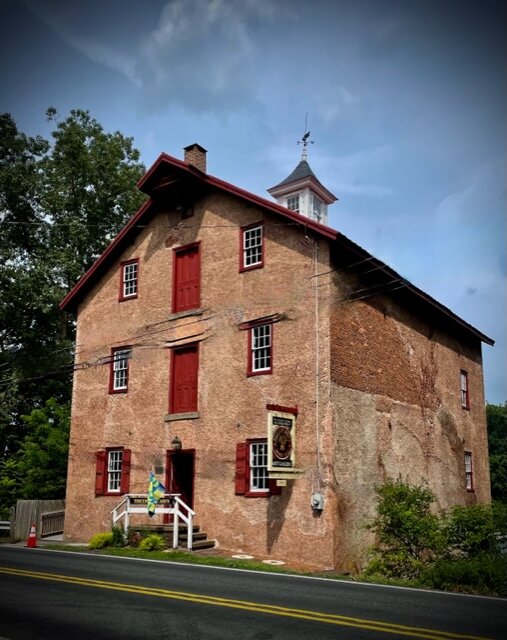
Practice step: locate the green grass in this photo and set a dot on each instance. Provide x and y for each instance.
(254, 565)
(178, 556)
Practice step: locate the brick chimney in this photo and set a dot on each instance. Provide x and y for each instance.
(196, 156)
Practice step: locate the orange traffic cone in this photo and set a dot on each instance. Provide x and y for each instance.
(31, 543)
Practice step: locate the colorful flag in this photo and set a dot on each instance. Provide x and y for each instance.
(155, 491)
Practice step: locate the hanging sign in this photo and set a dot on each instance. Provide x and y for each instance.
(281, 444)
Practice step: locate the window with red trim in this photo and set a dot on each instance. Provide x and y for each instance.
(186, 278)
(252, 247)
(469, 474)
(260, 349)
(129, 279)
(465, 400)
(252, 478)
(119, 372)
(112, 471)
(184, 377)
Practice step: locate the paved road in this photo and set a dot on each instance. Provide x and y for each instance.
(57, 595)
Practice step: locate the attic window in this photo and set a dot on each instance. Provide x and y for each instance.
(293, 203)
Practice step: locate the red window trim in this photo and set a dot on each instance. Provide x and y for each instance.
(111, 370)
(121, 296)
(466, 404)
(472, 485)
(242, 476)
(101, 459)
(250, 371)
(173, 351)
(177, 250)
(242, 230)
(282, 409)
(249, 324)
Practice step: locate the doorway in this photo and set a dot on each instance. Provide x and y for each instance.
(180, 474)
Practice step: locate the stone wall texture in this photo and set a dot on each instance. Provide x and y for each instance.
(377, 389)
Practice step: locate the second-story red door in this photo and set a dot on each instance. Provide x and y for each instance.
(184, 375)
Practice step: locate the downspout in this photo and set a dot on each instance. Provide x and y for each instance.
(317, 499)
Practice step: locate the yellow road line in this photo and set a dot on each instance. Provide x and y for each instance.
(316, 616)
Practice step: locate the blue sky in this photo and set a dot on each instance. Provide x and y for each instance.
(406, 102)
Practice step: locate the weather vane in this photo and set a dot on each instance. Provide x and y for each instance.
(304, 140)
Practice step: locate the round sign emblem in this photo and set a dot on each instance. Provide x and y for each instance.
(282, 443)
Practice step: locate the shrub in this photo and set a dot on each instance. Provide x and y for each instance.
(101, 540)
(153, 542)
(484, 573)
(408, 533)
(471, 530)
(118, 537)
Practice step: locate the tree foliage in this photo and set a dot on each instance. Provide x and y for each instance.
(61, 202)
(497, 441)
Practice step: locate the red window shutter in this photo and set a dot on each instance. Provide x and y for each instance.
(125, 471)
(185, 366)
(187, 279)
(241, 468)
(100, 470)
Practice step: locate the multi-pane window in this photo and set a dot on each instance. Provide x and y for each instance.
(465, 401)
(251, 247)
(469, 477)
(261, 349)
(293, 203)
(112, 471)
(120, 369)
(252, 478)
(129, 278)
(258, 463)
(114, 464)
(317, 206)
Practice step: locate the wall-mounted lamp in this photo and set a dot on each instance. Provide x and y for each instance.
(176, 443)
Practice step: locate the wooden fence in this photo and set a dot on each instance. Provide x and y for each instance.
(47, 515)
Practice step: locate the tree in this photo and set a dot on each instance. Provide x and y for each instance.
(61, 203)
(497, 440)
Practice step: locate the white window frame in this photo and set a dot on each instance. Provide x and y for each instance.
(121, 359)
(261, 345)
(317, 207)
(469, 472)
(258, 481)
(130, 272)
(252, 246)
(294, 201)
(465, 400)
(114, 470)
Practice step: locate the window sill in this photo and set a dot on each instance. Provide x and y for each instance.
(259, 265)
(186, 314)
(172, 417)
(257, 494)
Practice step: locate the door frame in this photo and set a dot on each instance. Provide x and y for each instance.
(170, 455)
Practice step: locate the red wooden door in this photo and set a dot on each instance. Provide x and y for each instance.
(184, 368)
(187, 279)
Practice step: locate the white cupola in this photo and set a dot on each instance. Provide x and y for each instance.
(302, 192)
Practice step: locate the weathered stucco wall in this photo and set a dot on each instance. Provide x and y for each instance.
(397, 411)
(232, 406)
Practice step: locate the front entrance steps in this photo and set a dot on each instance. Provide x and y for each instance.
(199, 538)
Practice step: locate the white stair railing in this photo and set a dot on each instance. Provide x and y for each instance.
(169, 504)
